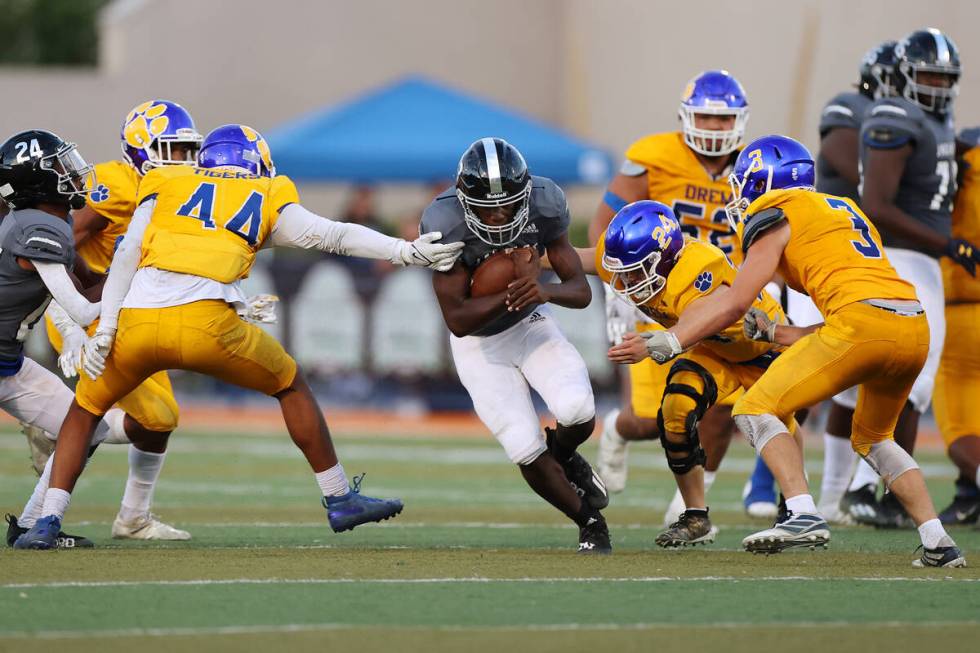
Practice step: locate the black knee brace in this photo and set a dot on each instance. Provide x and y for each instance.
(692, 447)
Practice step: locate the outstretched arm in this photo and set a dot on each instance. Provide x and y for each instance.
(63, 290)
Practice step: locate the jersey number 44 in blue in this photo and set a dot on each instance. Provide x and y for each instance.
(866, 246)
(245, 223)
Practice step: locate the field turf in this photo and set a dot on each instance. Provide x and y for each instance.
(475, 562)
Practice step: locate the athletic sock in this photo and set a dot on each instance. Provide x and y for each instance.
(586, 514)
(609, 423)
(709, 480)
(838, 461)
(801, 503)
(977, 479)
(931, 533)
(863, 475)
(55, 503)
(144, 469)
(32, 509)
(333, 481)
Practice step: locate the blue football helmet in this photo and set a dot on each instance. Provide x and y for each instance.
(238, 146)
(150, 132)
(715, 93)
(768, 163)
(642, 245)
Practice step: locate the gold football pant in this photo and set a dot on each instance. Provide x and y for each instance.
(204, 336)
(958, 379)
(879, 350)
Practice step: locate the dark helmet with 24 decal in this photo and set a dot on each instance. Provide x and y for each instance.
(39, 166)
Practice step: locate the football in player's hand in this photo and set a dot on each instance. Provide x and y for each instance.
(500, 268)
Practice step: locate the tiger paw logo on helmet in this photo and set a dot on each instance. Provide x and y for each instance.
(145, 123)
(260, 144)
(703, 282)
(100, 194)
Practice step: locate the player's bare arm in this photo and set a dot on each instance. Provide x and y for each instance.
(465, 314)
(622, 190)
(838, 148)
(573, 291)
(86, 223)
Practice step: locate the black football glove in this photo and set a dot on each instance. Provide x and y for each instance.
(964, 253)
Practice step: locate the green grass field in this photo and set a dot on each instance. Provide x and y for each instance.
(475, 561)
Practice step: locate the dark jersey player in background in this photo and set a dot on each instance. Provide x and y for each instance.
(505, 342)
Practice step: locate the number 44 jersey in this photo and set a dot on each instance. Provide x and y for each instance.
(834, 253)
(210, 222)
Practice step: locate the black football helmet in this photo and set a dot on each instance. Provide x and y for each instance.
(877, 71)
(492, 173)
(927, 51)
(38, 166)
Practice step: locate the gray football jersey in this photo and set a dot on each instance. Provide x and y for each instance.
(548, 220)
(36, 236)
(928, 183)
(845, 110)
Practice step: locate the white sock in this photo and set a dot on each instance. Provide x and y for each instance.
(333, 481)
(144, 469)
(977, 479)
(863, 475)
(609, 423)
(115, 432)
(931, 533)
(801, 503)
(709, 480)
(32, 509)
(838, 461)
(55, 503)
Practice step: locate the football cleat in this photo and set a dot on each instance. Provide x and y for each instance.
(580, 475)
(945, 555)
(63, 540)
(892, 514)
(861, 504)
(40, 445)
(692, 528)
(611, 459)
(593, 538)
(146, 527)
(962, 510)
(43, 535)
(792, 530)
(835, 516)
(346, 511)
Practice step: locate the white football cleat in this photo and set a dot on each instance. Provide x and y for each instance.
(762, 510)
(146, 527)
(834, 515)
(611, 459)
(804, 529)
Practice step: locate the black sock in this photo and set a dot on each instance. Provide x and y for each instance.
(568, 438)
(587, 515)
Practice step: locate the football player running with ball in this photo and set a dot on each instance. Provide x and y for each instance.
(170, 303)
(875, 337)
(506, 341)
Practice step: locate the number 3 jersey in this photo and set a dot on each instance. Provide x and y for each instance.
(210, 222)
(834, 253)
(676, 178)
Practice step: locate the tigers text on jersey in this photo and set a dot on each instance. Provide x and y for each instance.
(700, 269)
(834, 253)
(844, 111)
(114, 198)
(676, 177)
(210, 222)
(928, 182)
(958, 284)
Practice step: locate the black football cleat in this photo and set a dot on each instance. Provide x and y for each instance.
(892, 514)
(962, 510)
(862, 505)
(580, 474)
(593, 538)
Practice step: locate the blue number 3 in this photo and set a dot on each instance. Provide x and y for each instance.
(245, 223)
(866, 247)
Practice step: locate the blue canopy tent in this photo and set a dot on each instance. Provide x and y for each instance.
(414, 131)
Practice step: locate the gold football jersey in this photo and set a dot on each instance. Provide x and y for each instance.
(834, 253)
(959, 285)
(210, 222)
(114, 198)
(676, 178)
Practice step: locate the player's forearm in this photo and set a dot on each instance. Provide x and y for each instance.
(890, 219)
(573, 293)
(787, 334)
(473, 313)
(301, 228)
(62, 288)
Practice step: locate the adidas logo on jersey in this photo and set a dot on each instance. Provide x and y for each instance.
(535, 317)
(531, 229)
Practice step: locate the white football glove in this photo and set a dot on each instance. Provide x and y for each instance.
(95, 350)
(621, 316)
(71, 352)
(757, 326)
(662, 345)
(425, 252)
(261, 309)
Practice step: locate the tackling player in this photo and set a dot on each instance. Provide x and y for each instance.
(505, 342)
(175, 278)
(875, 337)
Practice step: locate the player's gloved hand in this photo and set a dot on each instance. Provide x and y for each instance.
(425, 252)
(964, 253)
(621, 316)
(96, 350)
(757, 325)
(662, 346)
(261, 309)
(71, 352)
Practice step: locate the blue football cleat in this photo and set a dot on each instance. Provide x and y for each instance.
(759, 493)
(43, 535)
(353, 509)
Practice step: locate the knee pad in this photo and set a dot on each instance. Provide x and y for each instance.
(759, 429)
(889, 460)
(693, 453)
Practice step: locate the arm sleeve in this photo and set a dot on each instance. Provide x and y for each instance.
(62, 289)
(124, 264)
(299, 227)
(61, 320)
